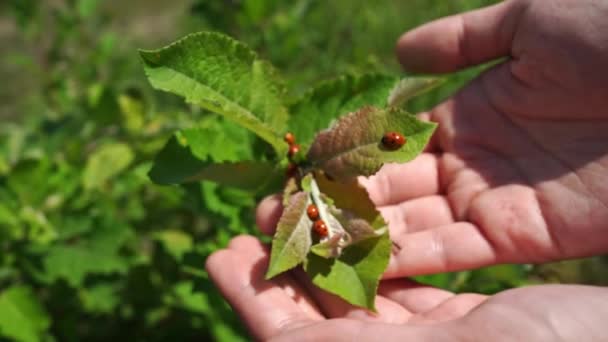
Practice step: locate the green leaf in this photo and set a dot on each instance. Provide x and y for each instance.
(353, 146)
(73, 264)
(189, 157)
(292, 239)
(105, 163)
(96, 253)
(99, 299)
(176, 242)
(318, 107)
(354, 276)
(22, 317)
(410, 87)
(224, 76)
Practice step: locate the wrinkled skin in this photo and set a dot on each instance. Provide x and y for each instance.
(517, 173)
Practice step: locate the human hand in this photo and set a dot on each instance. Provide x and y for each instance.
(290, 308)
(518, 169)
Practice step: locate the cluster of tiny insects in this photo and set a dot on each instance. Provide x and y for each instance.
(390, 140)
(312, 211)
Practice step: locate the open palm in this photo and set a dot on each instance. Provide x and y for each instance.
(290, 308)
(516, 173)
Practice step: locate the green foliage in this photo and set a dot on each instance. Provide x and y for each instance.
(108, 161)
(224, 76)
(21, 315)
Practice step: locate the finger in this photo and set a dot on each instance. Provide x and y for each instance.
(452, 308)
(396, 183)
(268, 214)
(252, 248)
(240, 279)
(415, 297)
(462, 40)
(417, 215)
(455, 247)
(335, 307)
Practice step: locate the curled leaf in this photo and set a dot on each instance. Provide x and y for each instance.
(357, 229)
(330, 248)
(349, 195)
(353, 146)
(334, 226)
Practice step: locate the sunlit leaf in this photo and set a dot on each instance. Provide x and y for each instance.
(224, 76)
(105, 163)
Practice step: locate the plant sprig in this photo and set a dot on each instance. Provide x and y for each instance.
(346, 127)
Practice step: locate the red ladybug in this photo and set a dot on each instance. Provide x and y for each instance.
(312, 212)
(293, 150)
(320, 228)
(289, 138)
(393, 140)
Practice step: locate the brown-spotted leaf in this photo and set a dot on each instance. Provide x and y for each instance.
(292, 239)
(353, 146)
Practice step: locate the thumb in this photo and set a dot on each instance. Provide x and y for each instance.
(460, 41)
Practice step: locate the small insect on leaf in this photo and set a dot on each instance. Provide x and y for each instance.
(313, 212)
(293, 150)
(393, 140)
(320, 228)
(289, 138)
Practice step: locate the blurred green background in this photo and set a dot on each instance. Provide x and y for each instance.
(90, 249)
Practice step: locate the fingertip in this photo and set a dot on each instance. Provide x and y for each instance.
(215, 261)
(268, 214)
(411, 53)
(248, 244)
